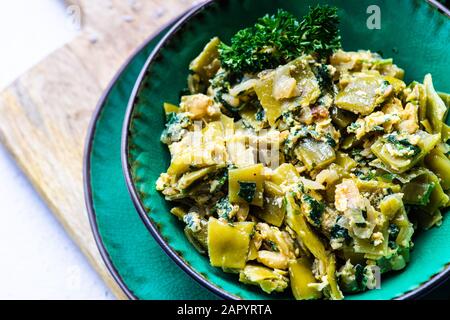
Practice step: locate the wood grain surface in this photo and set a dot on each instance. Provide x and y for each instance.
(44, 115)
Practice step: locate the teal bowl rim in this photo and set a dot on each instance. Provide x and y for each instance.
(422, 289)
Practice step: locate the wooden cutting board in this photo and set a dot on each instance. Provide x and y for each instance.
(44, 115)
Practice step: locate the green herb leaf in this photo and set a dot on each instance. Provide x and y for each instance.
(324, 78)
(338, 232)
(315, 210)
(223, 209)
(277, 39)
(403, 144)
(247, 191)
(360, 277)
(393, 231)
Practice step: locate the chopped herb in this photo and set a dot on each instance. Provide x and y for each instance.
(330, 140)
(220, 180)
(273, 246)
(360, 277)
(387, 264)
(356, 155)
(222, 82)
(338, 232)
(224, 178)
(393, 231)
(361, 224)
(284, 202)
(223, 209)
(385, 85)
(324, 78)
(247, 191)
(315, 209)
(355, 152)
(364, 214)
(365, 175)
(260, 114)
(388, 176)
(224, 79)
(175, 125)
(425, 199)
(277, 39)
(353, 127)
(193, 221)
(384, 264)
(233, 111)
(377, 128)
(171, 118)
(392, 245)
(292, 140)
(403, 145)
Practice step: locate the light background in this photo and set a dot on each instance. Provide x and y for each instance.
(37, 259)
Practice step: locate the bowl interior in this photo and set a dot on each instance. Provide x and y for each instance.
(412, 32)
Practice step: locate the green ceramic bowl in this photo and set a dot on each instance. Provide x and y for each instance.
(413, 32)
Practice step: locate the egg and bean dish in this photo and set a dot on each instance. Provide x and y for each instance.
(301, 167)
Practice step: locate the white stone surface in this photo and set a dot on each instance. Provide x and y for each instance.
(37, 259)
